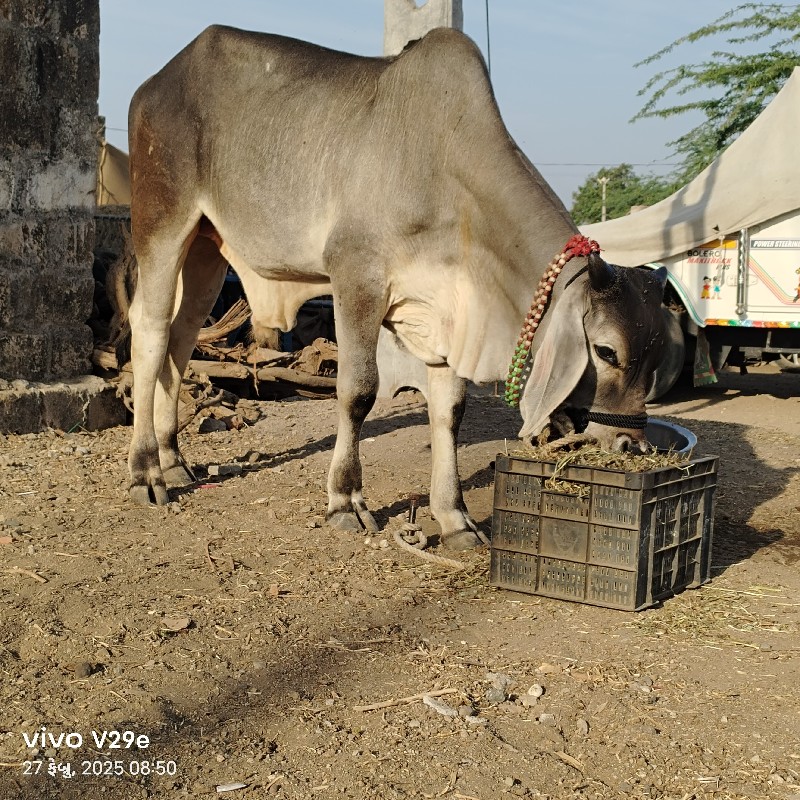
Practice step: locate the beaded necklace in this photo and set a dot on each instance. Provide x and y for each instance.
(520, 368)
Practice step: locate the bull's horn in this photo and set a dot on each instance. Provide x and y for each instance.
(601, 274)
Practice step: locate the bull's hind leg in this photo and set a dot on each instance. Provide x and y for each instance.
(199, 286)
(159, 350)
(359, 310)
(446, 403)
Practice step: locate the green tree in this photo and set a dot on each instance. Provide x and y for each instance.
(624, 188)
(732, 87)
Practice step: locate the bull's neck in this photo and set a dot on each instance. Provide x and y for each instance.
(531, 226)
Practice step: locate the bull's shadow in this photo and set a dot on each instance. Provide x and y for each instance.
(744, 483)
(486, 419)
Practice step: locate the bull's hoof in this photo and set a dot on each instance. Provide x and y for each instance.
(140, 495)
(458, 541)
(177, 477)
(345, 521)
(357, 520)
(367, 520)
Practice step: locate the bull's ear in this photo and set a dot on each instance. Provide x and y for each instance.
(660, 275)
(601, 274)
(559, 364)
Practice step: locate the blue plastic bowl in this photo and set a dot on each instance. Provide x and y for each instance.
(665, 436)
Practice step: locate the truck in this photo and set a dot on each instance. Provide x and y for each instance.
(730, 240)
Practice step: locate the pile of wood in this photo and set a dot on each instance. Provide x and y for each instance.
(216, 368)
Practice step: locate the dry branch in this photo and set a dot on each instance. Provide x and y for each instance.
(21, 571)
(232, 319)
(404, 700)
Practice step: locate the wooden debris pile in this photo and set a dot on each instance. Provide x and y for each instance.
(219, 372)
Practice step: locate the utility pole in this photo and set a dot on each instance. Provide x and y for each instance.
(603, 181)
(406, 20)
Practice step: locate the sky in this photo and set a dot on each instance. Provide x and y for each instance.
(563, 72)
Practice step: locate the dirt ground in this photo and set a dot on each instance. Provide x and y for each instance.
(232, 639)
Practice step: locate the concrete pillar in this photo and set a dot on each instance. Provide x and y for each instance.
(406, 20)
(49, 62)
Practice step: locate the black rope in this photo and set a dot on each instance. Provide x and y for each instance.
(635, 421)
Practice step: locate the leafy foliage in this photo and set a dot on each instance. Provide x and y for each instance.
(732, 87)
(624, 189)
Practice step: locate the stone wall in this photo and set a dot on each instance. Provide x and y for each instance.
(49, 75)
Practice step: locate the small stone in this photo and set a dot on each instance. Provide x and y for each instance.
(225, 469)
(537, 690)
(83, 669)
(547, 719)
(500, 681)
(466, 711)
(582, 727)
(211, 425)
(494, 695)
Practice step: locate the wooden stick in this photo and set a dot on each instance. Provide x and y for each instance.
(404, 700)
(21, 571)
(230, 369)
(295, 376)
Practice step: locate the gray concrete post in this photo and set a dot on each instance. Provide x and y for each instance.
(405, 20)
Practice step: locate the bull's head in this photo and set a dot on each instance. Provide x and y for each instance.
(598, 355)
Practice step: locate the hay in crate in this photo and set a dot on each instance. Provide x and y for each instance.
(586, 453)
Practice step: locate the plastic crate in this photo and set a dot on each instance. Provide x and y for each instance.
(634, 539)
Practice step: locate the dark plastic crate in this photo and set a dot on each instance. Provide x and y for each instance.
(634, 539)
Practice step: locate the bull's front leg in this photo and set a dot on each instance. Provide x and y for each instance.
(358, 309)
(446, 402)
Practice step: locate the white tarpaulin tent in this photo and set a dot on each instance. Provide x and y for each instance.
(756, 179)
(113, 182)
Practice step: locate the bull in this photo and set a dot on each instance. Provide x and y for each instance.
(393, 185)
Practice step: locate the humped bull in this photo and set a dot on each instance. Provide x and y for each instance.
(393, 185)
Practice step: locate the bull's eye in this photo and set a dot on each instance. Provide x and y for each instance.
(608, 354)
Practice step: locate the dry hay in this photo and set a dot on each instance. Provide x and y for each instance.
(714, 615)
(578, 451)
